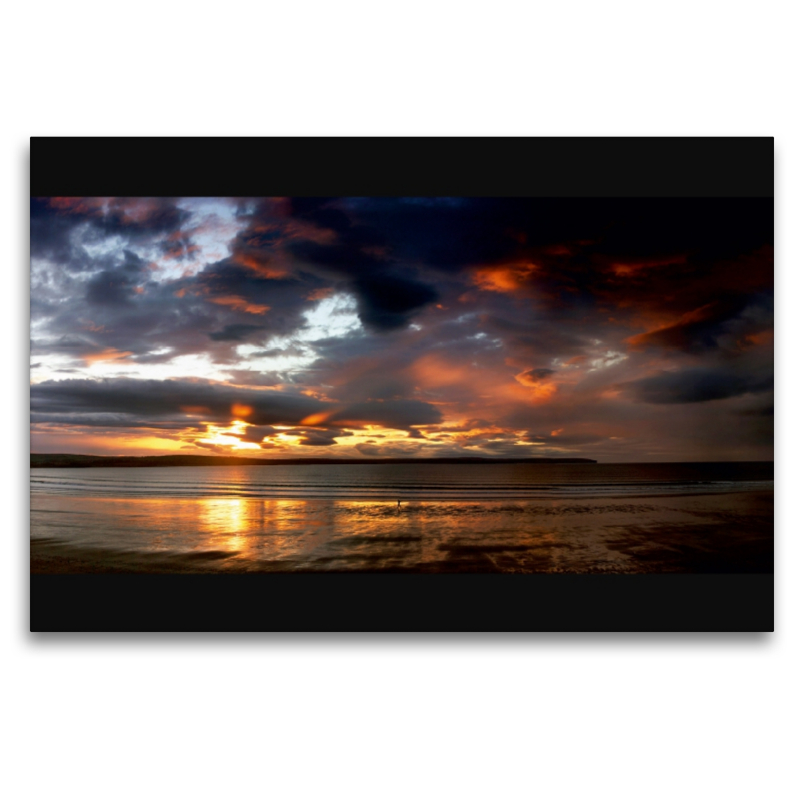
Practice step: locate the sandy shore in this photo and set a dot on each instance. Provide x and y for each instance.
(54, 557)
(731, 532)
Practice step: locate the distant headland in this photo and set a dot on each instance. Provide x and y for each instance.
(51, 460)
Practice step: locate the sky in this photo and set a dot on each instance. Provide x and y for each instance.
(622, 330)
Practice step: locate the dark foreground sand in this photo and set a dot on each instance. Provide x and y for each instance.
(731, 532)
(51, 557)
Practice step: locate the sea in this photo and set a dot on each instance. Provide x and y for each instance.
(518, 517)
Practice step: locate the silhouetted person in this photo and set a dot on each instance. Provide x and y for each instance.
(398, 504)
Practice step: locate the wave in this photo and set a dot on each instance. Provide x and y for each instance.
(485, 483)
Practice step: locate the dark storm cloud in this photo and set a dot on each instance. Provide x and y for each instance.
(696, 386)
(164, 402)
(485, 230)
(338, 260)
(588, 266)
(138, 219)
(51, 237)
(390, 413)
(386, 302)
(168, 400)
(383, 251)
(227, 278)
(721, 324)
(117, 286)
(354, 256)
(62, 227)
(129, 217)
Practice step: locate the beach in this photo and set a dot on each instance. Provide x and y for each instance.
(697, 532)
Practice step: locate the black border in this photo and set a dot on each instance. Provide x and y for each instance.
(357, 602)
(392, 166)
(511, 167)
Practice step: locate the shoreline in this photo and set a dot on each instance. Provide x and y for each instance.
(55, 557)
(392, 499)
(730, 532)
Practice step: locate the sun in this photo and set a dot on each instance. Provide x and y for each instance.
(228, 437)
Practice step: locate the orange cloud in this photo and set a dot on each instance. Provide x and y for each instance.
(320, 294)
(240, 304)
(539, 381)
(241, 410)
(109, 354)
(626, 269)
(575, 361)
(697, 315)
(76, 205)
(195, 410)
(432, 371)
(316, 419)
(262, 267)
(545, 391)
(508, 278)
(760, 338)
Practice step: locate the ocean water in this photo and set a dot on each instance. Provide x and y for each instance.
(451, 518)
(407, 481)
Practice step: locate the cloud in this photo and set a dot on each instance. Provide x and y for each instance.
(320, 438)
(507, 318)
(558, 438)
(388, 450)
(386, 302)
(718, 324)
(534, 377)
(162, 403)
(398, 414)
(235, 333)
(117, 286)
(696, 386)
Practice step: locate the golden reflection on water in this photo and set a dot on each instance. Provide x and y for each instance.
(226, 521)
(369, 534)
(282, 513)
(251, 527)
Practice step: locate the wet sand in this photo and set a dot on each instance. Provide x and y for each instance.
(725, 532)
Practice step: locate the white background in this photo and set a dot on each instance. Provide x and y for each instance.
(703, 716)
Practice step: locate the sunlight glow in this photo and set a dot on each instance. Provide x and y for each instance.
(228, 437)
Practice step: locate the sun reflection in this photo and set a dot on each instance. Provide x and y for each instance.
(226, 520)
(282, 513)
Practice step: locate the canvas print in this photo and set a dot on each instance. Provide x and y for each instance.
(401, 384)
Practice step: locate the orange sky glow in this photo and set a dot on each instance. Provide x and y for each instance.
(370, 327)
